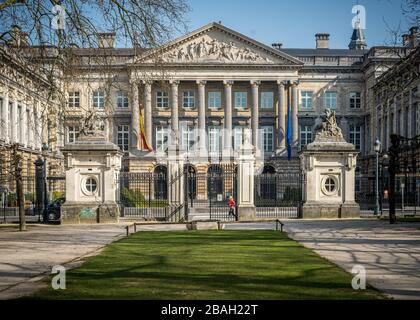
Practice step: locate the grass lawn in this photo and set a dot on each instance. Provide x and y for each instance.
(207, 265)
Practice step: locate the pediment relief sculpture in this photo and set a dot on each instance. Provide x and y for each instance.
(213, 50)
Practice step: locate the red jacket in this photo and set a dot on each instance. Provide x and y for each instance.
(231, 203)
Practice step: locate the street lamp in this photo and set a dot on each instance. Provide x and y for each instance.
(377, 148)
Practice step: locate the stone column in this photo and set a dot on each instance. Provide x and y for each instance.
(255, 113)
(228, 117)
(294, 110)
(409, 124)
(135, 116)
(23, 125)
(148, 124)
(246, 164)
(5, 117)
(281, 120)
(38, 126)
(31, 128)
(174, 112)
(14, 137)
(201, 117)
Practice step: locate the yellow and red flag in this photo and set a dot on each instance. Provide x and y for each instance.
(144, 145)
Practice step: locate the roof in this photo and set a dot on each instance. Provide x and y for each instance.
(323, 52)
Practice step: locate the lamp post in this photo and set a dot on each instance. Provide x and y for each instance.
(377, 148)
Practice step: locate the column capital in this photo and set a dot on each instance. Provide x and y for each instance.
(174, 83)
(281, 83)
(147, 82)
(228, 83)
(134, 81)
(255, 83)
(201, 82)
(294, 83)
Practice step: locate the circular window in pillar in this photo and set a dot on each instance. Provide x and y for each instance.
(90, 186)
(329, 185)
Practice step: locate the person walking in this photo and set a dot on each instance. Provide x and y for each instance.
(231, 205)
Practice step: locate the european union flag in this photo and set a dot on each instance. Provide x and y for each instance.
(289, 130)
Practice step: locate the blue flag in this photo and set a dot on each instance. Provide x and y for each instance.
(289, 130)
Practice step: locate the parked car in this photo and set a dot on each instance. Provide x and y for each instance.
(54, 209)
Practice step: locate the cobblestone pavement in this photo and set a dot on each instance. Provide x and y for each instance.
(26, 257)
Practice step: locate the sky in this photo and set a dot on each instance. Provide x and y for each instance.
(295, 22)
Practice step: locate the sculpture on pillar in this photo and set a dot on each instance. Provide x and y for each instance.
(92, 125)
(328, 129)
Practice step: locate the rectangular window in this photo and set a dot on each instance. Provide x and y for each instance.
(306, 98)
(305, 135)
(355, 136)
(122, 99)
(331, 99)
(74, 99)
(267, 100)
(161, 138)
(72, 134)
(188, 99)
(355, 100)
(241, 100)
(214, 139)
(238, 137)
(268, 138)
(123, 134)
(162, 99)
(215, 100)
(188, 137)
(98, 99)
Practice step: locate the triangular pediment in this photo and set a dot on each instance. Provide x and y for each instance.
(216, 44)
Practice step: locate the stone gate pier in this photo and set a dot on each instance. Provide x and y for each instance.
(329, 165)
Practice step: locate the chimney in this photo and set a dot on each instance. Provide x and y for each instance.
(322, 40)
(277, 46)
(406, 40)
(106, 39)
(414, 36)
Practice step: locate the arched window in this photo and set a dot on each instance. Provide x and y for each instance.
(161, 183)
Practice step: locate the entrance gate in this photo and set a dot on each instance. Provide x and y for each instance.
(208, 192)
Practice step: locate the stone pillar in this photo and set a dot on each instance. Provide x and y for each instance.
(5, 117)
(174, 113)
(38, 133)
(281, 120)
(294, 110)
(246, 165)
(148, 112)
(409, 124)
(175, 179)
(201, 117)
(23, 125)
(31, 128)
(14, 132)
(228, 117)
(135, 116)
(255, 113)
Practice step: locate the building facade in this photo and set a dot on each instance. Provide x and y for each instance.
(202, 90)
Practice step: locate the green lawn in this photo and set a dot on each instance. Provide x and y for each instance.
(208, 265)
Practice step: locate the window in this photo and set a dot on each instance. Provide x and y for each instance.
(355, 136)
(330, 185)
(188, 99)
(122, 99)
(331, 99)
(188, 137)
(98, 99)
(123, 134)
(91, 185)
(72, 134)
(29, 127)
(74, 99)
(238, 137)
(19, 124)
(305, 135)
(355, 101)
(215, 100)
(241, 100)
(162, 99)
(214, 139)
(268, 138)
(306, 97)
(267, 100)
(161, 138)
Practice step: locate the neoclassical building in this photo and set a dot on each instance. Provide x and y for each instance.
(203, 89)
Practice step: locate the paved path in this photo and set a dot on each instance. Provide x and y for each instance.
(390, 253)
(26, 257)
